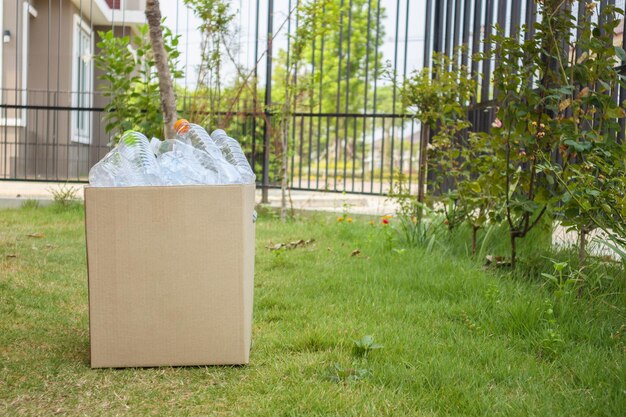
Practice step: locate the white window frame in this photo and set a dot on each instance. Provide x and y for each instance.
(27, 11)
(85, 136)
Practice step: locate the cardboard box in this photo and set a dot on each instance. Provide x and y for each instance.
(171, 273)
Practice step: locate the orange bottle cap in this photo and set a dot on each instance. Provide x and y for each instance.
(181, 126)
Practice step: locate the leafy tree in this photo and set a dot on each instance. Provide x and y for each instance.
(336, 64)
(550, 103)
(480, 193)
(458, 161)
(525, 91)
(438, 97)
(217, 31)
(591, 177)
(131, 81)
(337, 28)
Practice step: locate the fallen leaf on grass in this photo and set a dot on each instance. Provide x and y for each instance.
(36, 235)
(355, 252)
(11, 255)
(498, 261)
(291, 245)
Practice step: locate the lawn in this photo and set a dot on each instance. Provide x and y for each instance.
(457, 339)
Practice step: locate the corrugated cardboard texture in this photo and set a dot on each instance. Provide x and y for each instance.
(171, 274)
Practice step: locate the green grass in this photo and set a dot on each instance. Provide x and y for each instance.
(457, 340)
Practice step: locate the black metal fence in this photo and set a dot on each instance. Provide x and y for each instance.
(451, 23)
(348, 132)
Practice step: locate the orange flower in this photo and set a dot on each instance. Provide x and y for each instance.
(372, 223)
(339, 219)
(349, 219)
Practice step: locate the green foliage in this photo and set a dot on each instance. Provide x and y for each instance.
(459, 163)
(30, 204)
(325, 24)
(591, 180)
(551, 343)
(130, 81)
(439, 96)
(64, 195)
(365, 346)
(321, 39)
(217, 32)
(553, 101)
(353, 373)
(563, 280)
(416, 224)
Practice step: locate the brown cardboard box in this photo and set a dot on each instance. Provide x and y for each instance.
(171, 273)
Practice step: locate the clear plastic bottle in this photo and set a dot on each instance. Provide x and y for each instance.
(130, 163)
(196, 136)
(136, 150)
(233, 153)
(106, 171)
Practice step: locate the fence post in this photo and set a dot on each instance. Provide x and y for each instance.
(268, 102)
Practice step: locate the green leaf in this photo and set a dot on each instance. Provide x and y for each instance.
(579, 146)
(619, 51)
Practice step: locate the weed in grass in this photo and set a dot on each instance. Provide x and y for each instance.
(345, 374)
(265, 212)
(563, 280)
(522, 317)
(279, 259)
(414, 233)
(364, 346)
(388, 233)
(345, 212)
(469, 323)
(64, 196)
(492, 295)
(552, 341)
(314, 342)
(30, 204)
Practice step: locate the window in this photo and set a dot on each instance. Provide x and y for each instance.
(82, 80)
(17, 117)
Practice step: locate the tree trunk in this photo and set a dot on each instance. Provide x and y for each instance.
(284, 160)
(166, 89)
(474, 233)
(513, 250)
(423, 164)
(582, 247)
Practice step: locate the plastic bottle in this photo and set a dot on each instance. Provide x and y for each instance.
(106, 171)
(196, 136)
(233, 153)
(136, 150)
(130, 163)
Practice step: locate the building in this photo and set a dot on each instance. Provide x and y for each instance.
(46, 60)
